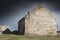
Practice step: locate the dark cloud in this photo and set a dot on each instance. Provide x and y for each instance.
(12, 10)
(10, 7)
(56, 5)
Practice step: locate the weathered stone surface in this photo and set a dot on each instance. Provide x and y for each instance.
(2, 28)
(40, 21)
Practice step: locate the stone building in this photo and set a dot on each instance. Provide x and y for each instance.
(2, 28)
(38, 21)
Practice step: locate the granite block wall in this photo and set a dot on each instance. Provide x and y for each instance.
(40, 21)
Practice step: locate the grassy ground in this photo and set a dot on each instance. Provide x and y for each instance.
(20, 37)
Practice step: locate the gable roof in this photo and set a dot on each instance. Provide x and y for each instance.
(39, 7)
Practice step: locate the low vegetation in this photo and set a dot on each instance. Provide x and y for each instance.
(25, 37)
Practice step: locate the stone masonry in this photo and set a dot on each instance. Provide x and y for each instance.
(2, 28)
(40, 21)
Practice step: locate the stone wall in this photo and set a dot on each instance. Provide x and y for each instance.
(40, 21)
(21, 26)
(2, 28)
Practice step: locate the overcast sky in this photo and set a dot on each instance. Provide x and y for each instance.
(11, 11)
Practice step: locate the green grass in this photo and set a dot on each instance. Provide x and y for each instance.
(23, 37)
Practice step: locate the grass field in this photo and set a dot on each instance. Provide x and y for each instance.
(21, 37)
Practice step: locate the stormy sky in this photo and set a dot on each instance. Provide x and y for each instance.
(11, 11)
